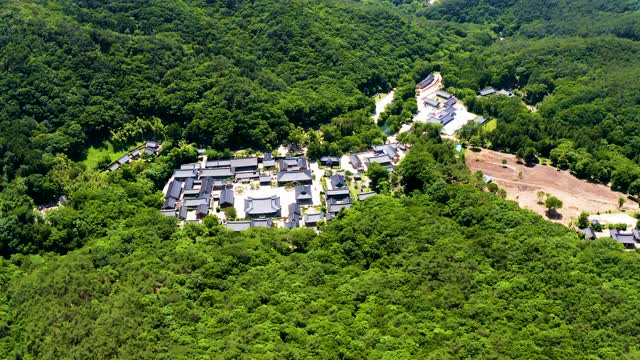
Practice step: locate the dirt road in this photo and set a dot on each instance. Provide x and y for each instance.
(523, 183)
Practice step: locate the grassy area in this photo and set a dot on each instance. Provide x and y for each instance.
(490, 125)
(94, 155)
(379, 97)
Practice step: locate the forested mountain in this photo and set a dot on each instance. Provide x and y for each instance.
(539, 18)
(219, 74)
(582, 90)
(448, 272)
(438, 267)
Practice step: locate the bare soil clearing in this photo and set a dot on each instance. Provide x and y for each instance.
(522, 184)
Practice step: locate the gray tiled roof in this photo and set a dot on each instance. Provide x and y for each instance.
(335, 208)
(219, 173)
(124, 159)
(169, 212)
(226, 197)
(238, 225)
(244, 162)
(450, 102)
(169, 203)
(184, 173)
(338, 181)
(262, 206)
(247, 175)
(188, 183)
(151, 144)
(432, 102)
(382, 159)
(265, 178)
(443, 94)
(487, 91)
(174, 190)
(202, 210)
(338, 192)
(481, 120)
(262, 223)
(195, 202)
(366, 195)
(303, 192)
(218, 164)
(355, 161)
(313, 219)
(426, 81)
(182, 213)
(294, 176)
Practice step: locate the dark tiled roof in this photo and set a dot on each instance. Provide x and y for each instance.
(313, 219)
(338, 181)
(262, 223)
(293, 164)
(219, 173)
(192, 203)
(337, 192)
(629, 240)
(303, 192)
(169, 203)
(335, 208)
(426, 81)
(188, 183)
(151, 144)
(366, 195)
(175, 188)
(262, 206)
(181, 174)
(443, 94)
(588, 233)
(218, 164)
(265, 179)
(189, 166)
(123, 159)
(247, 175)
(169, 212)
(294, 176)
(355, 161)
(382, 159)
(294, 209)
(182, 213)
(487, 91)
(226, 197)
(330, 160)
(447, 118)
(238, 225)
(191, 193)
(388, 149)
(450, 102)
(244, 162)
(481, 120)
(432, 102)
(202, 210)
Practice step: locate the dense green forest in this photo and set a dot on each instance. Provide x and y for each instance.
(587, 106)
(218, 74)
(581, 92)
(539, 18)
(438, 266)
(449, 271)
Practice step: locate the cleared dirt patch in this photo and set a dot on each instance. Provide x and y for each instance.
(522, 184)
